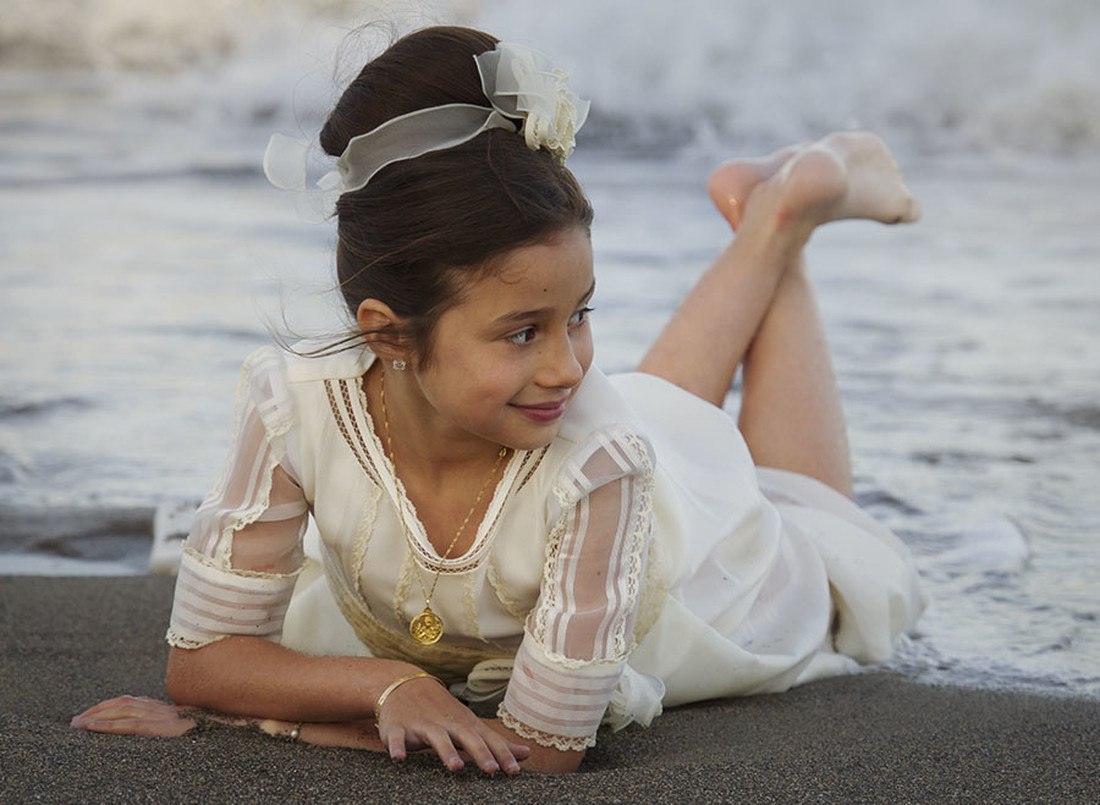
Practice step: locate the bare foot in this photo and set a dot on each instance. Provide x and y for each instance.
(848, 175)
(731, 183)
(856, 168)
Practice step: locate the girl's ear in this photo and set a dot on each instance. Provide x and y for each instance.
(377, 321)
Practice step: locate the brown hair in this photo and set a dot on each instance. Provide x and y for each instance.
(423, 228)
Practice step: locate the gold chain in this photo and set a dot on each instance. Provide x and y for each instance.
(427, 627)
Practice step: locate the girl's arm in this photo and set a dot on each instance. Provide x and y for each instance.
(250, 676)
(139, 715)
(580, 634)
(236, 578)
(253, 676)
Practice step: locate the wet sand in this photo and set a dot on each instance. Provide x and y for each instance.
(70, 642)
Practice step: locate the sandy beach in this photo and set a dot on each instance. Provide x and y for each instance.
(70, 642)
(966, 348)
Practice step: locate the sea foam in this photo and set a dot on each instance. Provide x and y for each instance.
(969, 75)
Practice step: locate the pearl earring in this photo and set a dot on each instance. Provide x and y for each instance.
(399, 365)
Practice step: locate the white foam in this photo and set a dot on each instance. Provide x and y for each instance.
(959, 74)
(965, 73)
(995, 544)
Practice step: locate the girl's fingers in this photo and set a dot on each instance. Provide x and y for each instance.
(486, 755)
(112, 727)
(440, 741)
(503, 752)
(396, 744)
(114, 704)
(441, 724)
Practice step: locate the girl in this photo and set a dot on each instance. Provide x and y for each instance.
(496, 516)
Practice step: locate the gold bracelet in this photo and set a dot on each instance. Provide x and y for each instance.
(296, 732)
(398, 683)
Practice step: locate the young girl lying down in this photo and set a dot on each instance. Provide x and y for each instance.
(496, 515)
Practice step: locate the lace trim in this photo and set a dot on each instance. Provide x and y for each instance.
(638, 530)
(573, 664)
(653, 594)
(514, 606)
(551, 579)
(343, 394)
(249, 515)
(469, 606)
(364, 441)
(349, 427)
(364, 531)
(655, 582)
(506, 488)
(238, 571)
(562, 742)
(636, 539)
(532, 461)
(178, 641)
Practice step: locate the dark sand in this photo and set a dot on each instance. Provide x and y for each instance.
(67, 643)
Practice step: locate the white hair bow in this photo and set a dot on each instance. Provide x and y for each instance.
(520, 85)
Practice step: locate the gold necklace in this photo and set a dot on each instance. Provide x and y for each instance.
(427, 627)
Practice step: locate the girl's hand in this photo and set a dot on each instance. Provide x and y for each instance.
(136, 715)
(423, 714)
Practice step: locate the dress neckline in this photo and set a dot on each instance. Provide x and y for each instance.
(421, 547)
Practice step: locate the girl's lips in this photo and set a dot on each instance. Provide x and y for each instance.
(543, 412)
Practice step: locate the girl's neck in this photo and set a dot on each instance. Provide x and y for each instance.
(421, 443)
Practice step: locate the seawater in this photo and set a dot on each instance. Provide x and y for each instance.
(143, 257)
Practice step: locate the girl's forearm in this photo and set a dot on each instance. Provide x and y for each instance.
(251, 676)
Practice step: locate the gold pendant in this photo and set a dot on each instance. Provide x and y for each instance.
(426, 628)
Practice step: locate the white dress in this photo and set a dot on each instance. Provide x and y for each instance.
(640, 559)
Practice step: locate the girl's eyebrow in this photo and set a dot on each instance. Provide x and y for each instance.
(524, 315)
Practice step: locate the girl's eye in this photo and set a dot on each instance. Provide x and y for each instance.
(524, 336)
(581, 316)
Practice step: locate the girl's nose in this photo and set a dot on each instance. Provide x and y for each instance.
(561, 368)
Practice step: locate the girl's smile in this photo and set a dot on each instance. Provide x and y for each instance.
(546, 412)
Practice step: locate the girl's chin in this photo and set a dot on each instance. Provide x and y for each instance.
(534, 435)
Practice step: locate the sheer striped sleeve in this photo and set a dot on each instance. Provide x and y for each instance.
(243, 554)
(578, 637)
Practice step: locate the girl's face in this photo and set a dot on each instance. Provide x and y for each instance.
(506, 362)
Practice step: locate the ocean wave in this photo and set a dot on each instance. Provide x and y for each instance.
(11, 407)
(76, 531)
(969, 75)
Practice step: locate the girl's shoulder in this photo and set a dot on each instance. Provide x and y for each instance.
(285, 384)
(295, 365)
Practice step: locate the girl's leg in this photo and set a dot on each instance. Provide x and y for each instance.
(791, 416)
(708, 335)
(754, 305)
